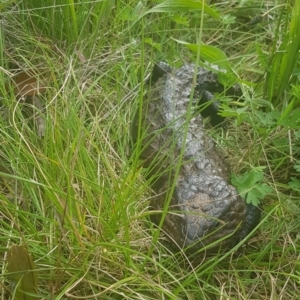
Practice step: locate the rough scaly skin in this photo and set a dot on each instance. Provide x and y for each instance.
(204, 207)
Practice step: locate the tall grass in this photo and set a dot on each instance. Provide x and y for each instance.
(284, 58)
(75, 24)
(78, 198)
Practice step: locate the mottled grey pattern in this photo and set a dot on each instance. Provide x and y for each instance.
(204, 207)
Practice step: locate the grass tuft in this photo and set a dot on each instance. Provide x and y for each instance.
(77, 197)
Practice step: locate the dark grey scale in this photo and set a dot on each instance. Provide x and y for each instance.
(253, 216)
(204, 206)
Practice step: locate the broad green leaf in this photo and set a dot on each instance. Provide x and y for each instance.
(23, 273)
(294, 184)
(297, 167)
(257, 193)
(261, 102)
(250, 187)
(173, 6)
(238, 113)
(179, 19)
(153, 44)
(210, 54)
(265, 118)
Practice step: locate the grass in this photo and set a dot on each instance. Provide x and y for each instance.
(77, 197)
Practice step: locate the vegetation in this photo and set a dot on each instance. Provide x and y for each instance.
(75, 196)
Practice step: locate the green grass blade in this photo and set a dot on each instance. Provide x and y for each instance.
(285, 59)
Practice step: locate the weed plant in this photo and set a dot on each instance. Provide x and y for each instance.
(77, 197)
